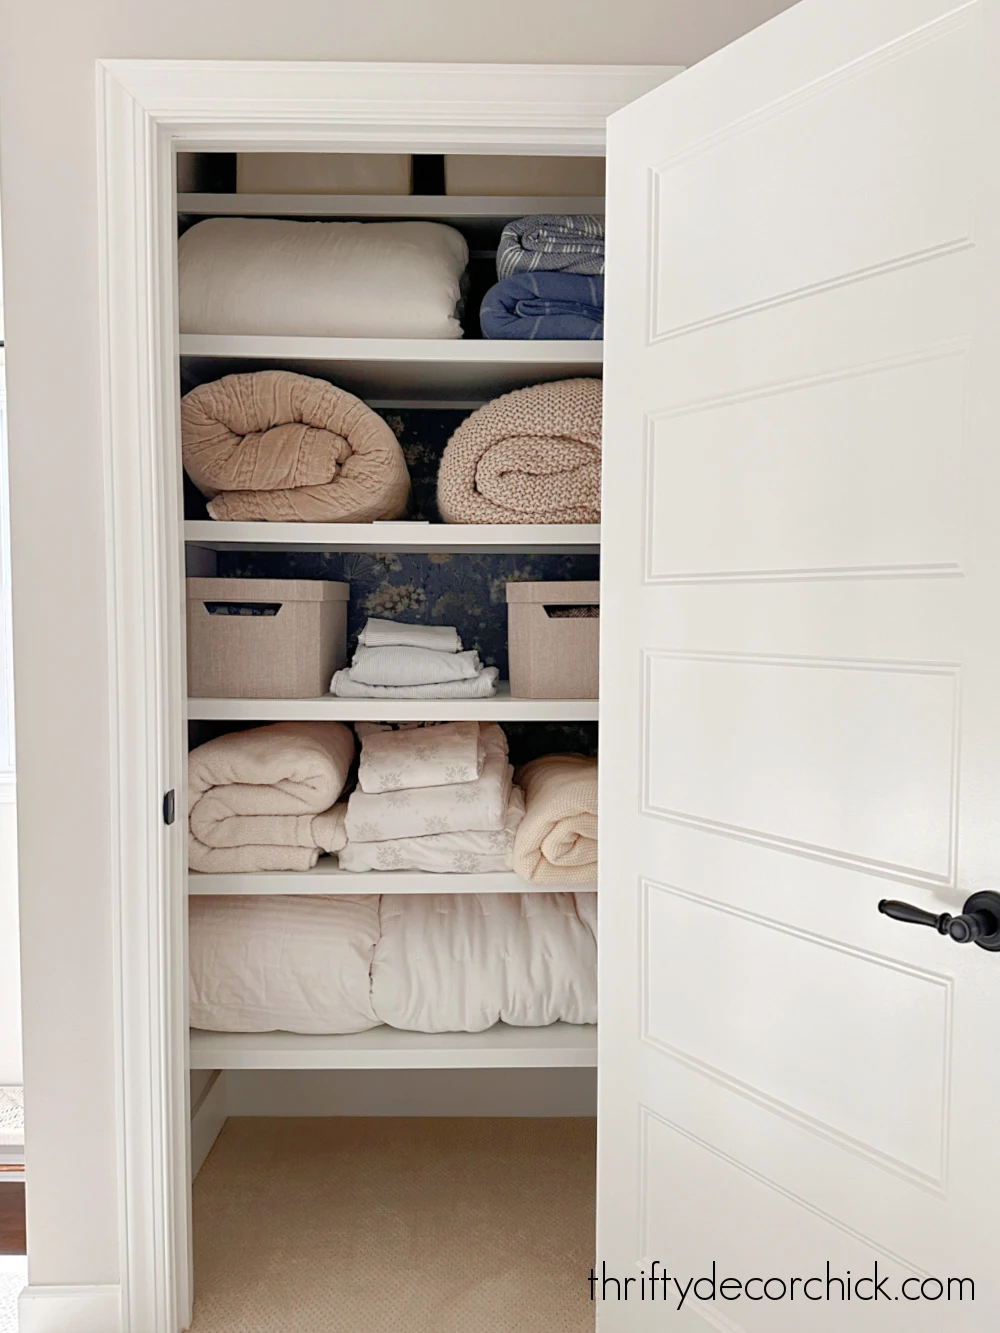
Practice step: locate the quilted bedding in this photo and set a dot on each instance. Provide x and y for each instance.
(422, 962)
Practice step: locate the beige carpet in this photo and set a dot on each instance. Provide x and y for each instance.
(396, 1226)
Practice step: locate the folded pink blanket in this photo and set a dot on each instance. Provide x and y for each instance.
(273, 446)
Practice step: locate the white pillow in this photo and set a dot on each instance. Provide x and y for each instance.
(321, 279)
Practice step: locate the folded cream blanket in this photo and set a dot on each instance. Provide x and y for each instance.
(278, 447)
(263, 799)
(321, 279)
(556, 842)
(467, 852)
(452, 808)
(412, 666)
(389, 633)
(431, 756)
(480, 686)
(531, 456)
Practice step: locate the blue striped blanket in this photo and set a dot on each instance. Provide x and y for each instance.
(552, 243)
(544, 305)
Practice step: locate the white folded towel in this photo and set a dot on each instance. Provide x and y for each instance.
(470, 852)
(453, 808)
(403, 665)
(388, 633)
(481, 686)
(431, 756)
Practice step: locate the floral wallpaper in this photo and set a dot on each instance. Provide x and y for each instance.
(437, 588)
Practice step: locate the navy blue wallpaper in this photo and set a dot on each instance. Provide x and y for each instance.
(436, 588)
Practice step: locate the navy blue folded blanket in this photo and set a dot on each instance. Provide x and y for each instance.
(544, 305)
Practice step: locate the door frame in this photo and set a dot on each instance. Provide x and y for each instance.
(147, 111)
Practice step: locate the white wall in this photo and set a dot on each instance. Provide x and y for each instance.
(10, 980)
(47, 168)
(10, 972)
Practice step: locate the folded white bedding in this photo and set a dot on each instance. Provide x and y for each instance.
(295, 964)
(433, 756)
(262, 799)
(427, 963)
(321, 279)
(481, 686)
(472, 852)
(386, 633)
(454, 807)
(462, 962)
(400, 665)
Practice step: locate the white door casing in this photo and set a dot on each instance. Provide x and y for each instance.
(800, 695)
(147, 111)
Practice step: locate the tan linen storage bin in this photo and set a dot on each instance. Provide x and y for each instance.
(472, 174)
(290, 653)
(552, 657)
(324, 173)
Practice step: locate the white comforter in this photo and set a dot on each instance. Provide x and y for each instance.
(427, 963)
(321, 279)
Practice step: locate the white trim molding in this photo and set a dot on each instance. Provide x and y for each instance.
(64, 1309)
(147, 110)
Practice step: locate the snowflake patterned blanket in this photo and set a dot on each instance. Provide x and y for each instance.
(531, 456)
(263, 799)
(434, 755)
(456, 807)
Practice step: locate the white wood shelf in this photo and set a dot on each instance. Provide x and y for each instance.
(506, 206)
(327, 877)
(481, 538)
(501, 708)
(560, 1045)
(395, 370)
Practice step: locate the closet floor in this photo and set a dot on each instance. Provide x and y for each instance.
(396, 1226)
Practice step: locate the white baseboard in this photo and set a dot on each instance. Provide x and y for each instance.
(63, 1309)
(208, 1115)
(411, 1092)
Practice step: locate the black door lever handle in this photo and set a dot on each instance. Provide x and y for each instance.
(979, 922)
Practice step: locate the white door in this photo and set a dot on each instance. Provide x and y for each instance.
(800, 707)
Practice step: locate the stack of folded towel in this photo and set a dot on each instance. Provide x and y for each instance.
(438, 797)
(551, 271)
(397, 661)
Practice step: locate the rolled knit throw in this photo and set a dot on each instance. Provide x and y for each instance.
(532, 456)
(273, 446)
(553, 242)
(556, 842)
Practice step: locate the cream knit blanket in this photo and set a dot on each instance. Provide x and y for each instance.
(556, 842)
(273, 446)
(263, 799)
(532, 456)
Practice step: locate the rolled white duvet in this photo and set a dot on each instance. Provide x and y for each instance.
(321, 279)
